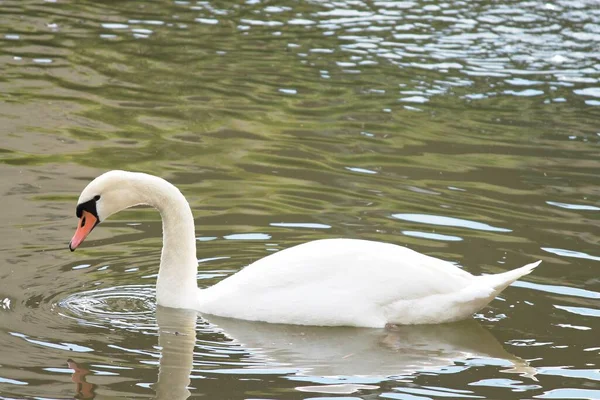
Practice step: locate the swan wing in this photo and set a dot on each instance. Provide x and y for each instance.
(332, 282)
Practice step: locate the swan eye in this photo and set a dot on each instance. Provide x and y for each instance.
(97, 197)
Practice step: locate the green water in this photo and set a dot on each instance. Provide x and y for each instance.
(464, 130)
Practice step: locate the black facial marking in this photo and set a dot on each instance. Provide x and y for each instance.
(89, 206)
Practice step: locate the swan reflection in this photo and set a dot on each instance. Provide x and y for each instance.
(316, 352)
(177, 339)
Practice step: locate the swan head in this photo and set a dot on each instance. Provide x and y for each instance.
(109, 193)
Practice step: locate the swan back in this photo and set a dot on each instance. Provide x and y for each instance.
(335, 282)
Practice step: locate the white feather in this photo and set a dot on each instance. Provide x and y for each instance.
(331, 282)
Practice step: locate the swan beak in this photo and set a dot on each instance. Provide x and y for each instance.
(87, 222)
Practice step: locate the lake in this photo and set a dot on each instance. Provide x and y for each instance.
(467, 131)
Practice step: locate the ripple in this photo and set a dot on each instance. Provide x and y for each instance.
(247, 236)
(573, 206)
(347, 388)
(415, 99)
(125, 306)
(58, 346)
(589, 374)
(432, 236)
(114, 26)
(448, 221)
(255, 156)
(570, 253)
(525, 93)
(12, 381)
(522, 82)
(288, 91)
(361, 170)
(589, 312)
(593, 91)
(570, 393)
(504, 383)
(208, 21)
(308, 225)
(434, 391)
(564, 290)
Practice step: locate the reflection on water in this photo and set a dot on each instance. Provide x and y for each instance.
(347, 353)
(83, 389)
(337, 359)
(463, 130)
(177, 338)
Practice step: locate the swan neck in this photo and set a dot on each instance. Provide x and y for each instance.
(176, 284)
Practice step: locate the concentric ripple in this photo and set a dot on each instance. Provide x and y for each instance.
(129, 307)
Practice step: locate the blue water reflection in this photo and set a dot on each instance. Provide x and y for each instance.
(441, 220)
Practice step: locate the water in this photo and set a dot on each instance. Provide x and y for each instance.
(464, 130)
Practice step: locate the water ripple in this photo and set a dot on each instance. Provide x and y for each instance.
(448, 221)
(294, 121)
(130, 307)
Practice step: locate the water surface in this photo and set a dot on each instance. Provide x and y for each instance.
(464, 130)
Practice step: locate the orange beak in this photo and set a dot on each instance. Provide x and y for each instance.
(87, 222)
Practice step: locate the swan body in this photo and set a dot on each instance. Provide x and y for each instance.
(329, 282)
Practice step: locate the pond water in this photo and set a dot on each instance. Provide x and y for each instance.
(468, 131)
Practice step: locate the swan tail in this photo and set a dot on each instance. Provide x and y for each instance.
(456, 305)
(499, 282)
(487, 287)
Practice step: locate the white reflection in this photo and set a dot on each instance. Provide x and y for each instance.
(570, 253)
(341, 351)
(573, 206)
(177, 338)
(324, 355)
(432, 219)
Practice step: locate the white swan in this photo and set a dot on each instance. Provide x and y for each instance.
(330, 282)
